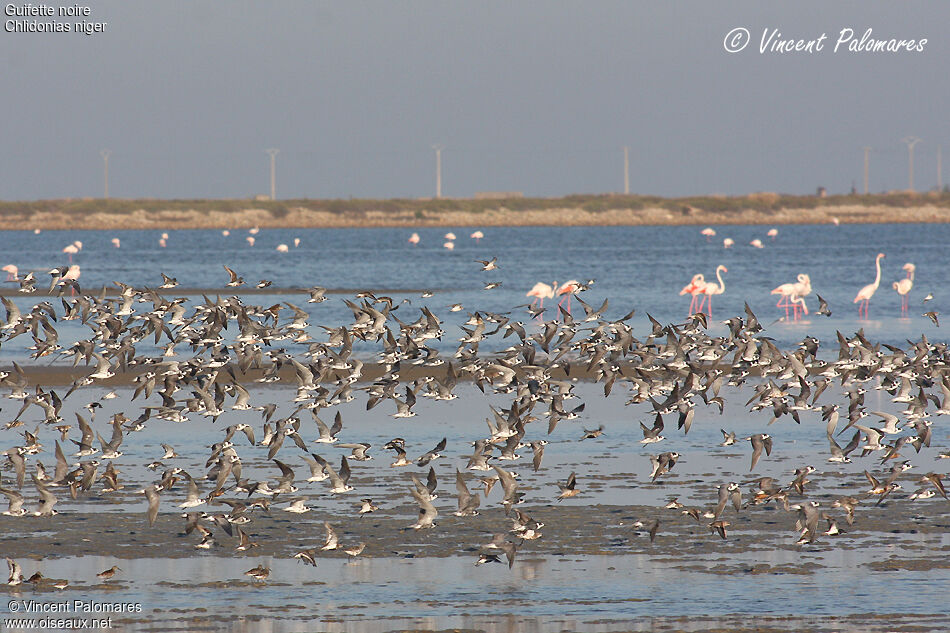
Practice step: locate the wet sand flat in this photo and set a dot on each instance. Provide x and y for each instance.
(591, 544)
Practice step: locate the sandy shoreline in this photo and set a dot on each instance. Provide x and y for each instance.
(133, 215)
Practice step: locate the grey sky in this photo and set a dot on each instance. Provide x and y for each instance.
(536, 97)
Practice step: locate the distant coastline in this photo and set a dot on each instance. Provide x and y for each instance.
(576, 210)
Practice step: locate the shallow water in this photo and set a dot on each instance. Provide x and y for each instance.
(593, 569)
(385, 594)
(640, 268)
(556, 583)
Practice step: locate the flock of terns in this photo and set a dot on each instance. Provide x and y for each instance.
(674, 372)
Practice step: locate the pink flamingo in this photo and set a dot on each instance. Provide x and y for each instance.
(793, 295)
(694, 288)
(477, 235)
(865, 294)
(569, 288)
(541, 291)
(71, 249)
(414, 239)
(13, 273)
(772, 233)
(713, 288)
(708, 232)
(902, 287)
(802, 290)
(797, 302)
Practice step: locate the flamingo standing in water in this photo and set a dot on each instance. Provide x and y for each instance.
(712, 288)
(414, 239)
(694, 288)
(541, 291)
(13, 273)
(793, 295)
(904, 286)
(568, 289)
(801, 290)
(708, 232)
(865, 294)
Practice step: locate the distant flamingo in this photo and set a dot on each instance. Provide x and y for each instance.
(225, 232)
(569, 289)
(728, 242)
(865, 294)
(13, 273)
(250, 240)
(282, 248)
(449, 246)
(793, 295)
(756, 243)
(414, 239)
(254, 231)
(772, 233)
(713, 288)
(162, 242)
(116, 242)
(902, 287)
(296, 242)
(541, 291)
(70, 250)
(450, 236)
(694, 288)
(477, 235)
(708, 232)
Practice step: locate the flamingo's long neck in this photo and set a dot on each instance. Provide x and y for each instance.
(722, 284)
(877, 265)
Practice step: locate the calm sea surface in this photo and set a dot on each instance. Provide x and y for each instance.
(640, 268)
